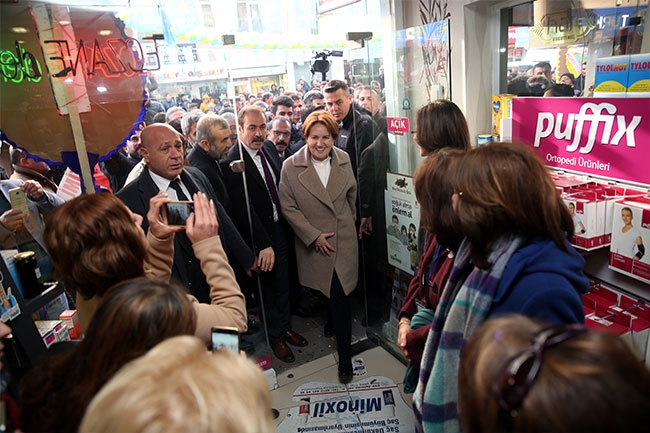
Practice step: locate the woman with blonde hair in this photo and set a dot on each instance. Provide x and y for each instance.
(179, 386)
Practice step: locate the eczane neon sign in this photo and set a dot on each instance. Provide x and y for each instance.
(113, 57)
(19, 65)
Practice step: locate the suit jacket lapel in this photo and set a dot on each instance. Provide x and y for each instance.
(338, 180)
(274, 162)
(252, 171)
(189, 183)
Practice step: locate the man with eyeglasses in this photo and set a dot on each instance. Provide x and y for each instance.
(279, 137)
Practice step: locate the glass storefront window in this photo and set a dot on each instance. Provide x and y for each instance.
(569, 37)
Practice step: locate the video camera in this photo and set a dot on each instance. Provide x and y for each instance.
(320, 62)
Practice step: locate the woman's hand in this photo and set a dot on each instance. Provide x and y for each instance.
(158, 219)
(322, 246)
(202, 223)
(403, 328)
(12, 219)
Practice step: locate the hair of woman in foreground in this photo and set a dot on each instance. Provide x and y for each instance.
(587, 381)
(180, 386)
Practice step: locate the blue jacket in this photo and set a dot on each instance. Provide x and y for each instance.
(542, 282)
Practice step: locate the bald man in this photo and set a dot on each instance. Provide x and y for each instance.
(163, 154)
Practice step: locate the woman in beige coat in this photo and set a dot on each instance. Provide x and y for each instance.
(317, 194)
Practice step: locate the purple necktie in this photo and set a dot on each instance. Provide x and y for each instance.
(270, 184)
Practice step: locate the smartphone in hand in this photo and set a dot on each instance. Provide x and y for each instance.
(18, 200)
(223, 336)
(178, 211)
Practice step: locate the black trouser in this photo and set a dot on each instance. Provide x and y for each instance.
(276, 288)
(340, 315)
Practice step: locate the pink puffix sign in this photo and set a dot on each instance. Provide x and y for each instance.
(599, 136)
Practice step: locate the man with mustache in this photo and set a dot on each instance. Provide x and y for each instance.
(279, 137)
(271, 244)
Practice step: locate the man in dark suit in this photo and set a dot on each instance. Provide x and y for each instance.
(279, 137)
(162, 150)
(213, 141)
(262, 174)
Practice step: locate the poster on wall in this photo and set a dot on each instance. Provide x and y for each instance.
(608, 138)
(402, 222)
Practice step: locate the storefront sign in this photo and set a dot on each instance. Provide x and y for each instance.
(603, 137)
(398, 125)
(54, 62)
(259, 72)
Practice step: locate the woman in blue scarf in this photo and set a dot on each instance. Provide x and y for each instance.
(515, 258)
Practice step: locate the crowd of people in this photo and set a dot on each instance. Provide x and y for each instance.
(284, 192)
(540, 80)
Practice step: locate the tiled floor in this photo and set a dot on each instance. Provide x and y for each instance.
(312, 329)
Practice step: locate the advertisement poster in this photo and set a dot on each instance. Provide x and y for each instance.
(601, 137)
(630, 237)
(402, 219)
(369, 405)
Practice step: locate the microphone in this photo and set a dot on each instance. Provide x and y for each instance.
(237, 166)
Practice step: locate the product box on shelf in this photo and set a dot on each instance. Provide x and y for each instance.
(588, 214)
(52, 331)
(71, 321)
(567, 181)
(611, 311)
(611, 194)
(630, 237)
(501, 109)
(639, 76)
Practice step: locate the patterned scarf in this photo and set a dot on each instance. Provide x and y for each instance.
(463, 307)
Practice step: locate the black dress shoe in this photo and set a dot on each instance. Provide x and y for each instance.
(282, 352)
(328, 330)
(295, 339)
(345, 370)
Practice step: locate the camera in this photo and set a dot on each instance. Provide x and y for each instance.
(320, 62)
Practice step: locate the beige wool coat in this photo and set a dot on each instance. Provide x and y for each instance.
(312, 209)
